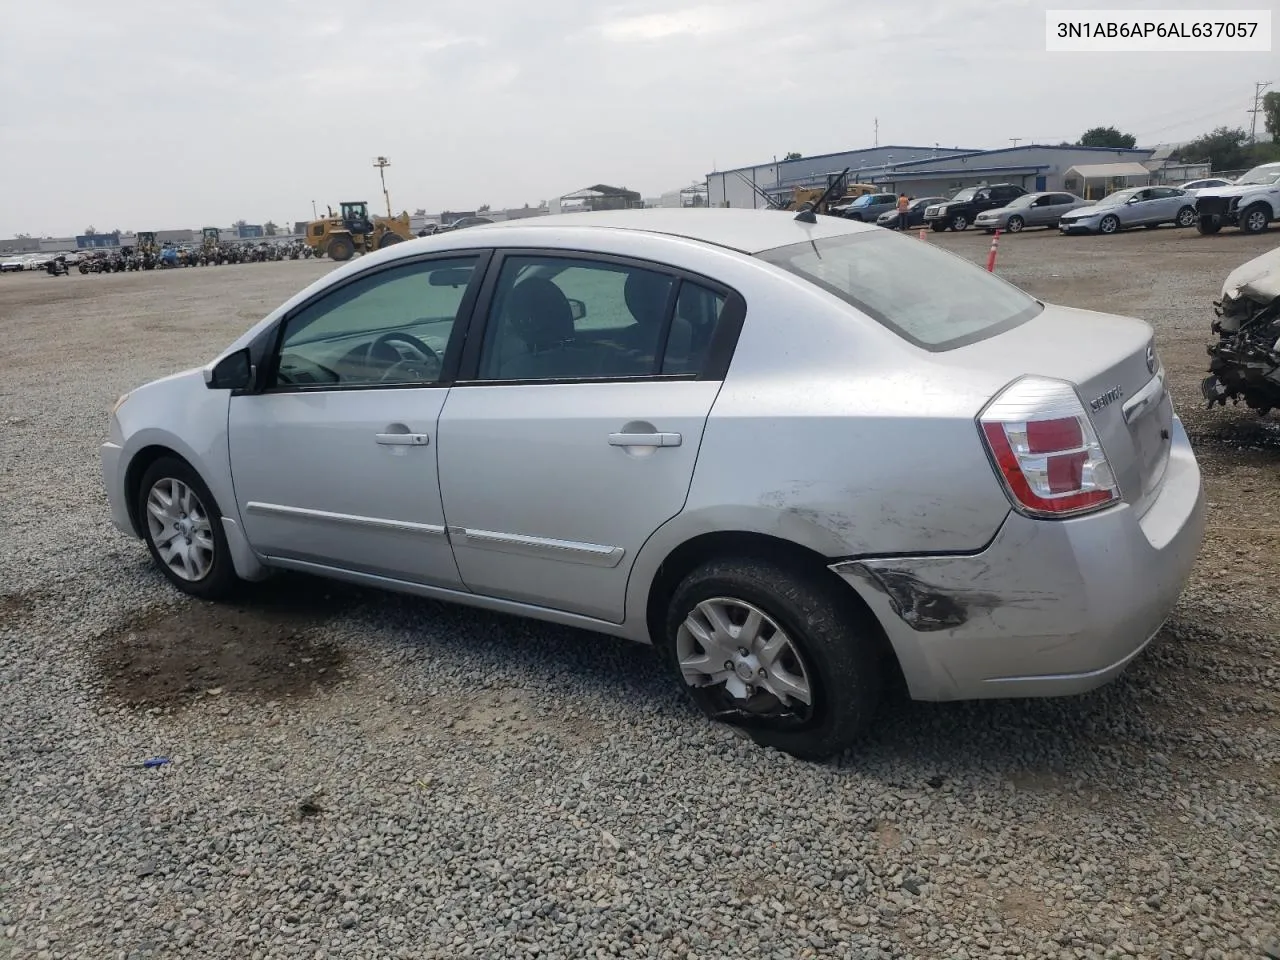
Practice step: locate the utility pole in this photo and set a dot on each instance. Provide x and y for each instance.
(877, 143)
(382, 163)
(1014, 140)
(1257, 98)
(314, 215)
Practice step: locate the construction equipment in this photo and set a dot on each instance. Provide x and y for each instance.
(341, 236)
(838, 192)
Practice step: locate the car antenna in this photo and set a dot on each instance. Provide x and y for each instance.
(806, 214)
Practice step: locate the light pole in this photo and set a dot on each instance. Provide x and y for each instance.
(314, 215)
(382, 163)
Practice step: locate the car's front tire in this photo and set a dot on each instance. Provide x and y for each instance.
(1109, 224)
(1015, 224)
(182, 526)
(1186, 217)
(783, 654)
(959, 222)
(1254, 219)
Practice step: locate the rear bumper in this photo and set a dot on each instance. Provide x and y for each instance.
(1049, 607)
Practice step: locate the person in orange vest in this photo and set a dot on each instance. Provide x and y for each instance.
(904, 219)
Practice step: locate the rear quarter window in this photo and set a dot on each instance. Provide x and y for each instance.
(927, 296)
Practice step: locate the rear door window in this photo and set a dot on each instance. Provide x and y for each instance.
(931, 298)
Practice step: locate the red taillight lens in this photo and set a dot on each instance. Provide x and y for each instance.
(1045, 449)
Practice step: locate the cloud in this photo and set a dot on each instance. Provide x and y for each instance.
(154, 115)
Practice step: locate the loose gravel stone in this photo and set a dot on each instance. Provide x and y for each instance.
(381, 776)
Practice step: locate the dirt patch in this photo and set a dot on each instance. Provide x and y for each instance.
(265, 646)
(15, 607)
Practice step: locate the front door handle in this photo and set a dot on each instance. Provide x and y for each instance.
(645, 439)
(402, 439)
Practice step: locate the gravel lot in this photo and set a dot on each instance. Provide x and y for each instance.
(362, 775)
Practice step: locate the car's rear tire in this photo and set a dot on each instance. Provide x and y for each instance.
(1208, 225)
(959, 222)
(1015, 224)
(1254, 218)
(750, 637)
(1186, 217)
(1109, 224)
(182, 526)
(938, 226)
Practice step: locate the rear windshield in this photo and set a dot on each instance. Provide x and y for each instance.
(927, 296)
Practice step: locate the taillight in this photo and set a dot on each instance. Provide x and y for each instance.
(1045, 449)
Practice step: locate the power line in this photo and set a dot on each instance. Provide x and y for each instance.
(1257, 96)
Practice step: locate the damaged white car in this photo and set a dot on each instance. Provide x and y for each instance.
(797, 454)
(1245, 359)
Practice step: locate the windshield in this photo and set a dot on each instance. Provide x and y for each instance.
(863, 201)
(929, 297)
(1259, 175)
(1120, 196)
(965, 195)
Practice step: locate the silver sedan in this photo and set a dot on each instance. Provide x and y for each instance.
(797, 455)
(1029, 210)
(1133, 207)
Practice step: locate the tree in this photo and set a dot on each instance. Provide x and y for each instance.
(792, 155)
(240, 223)
(90, 230)
(1271, 114)
(420, 212)
(484, 208)
(269, 228)
(1107, 137)
(22, 236)
(1223, 147)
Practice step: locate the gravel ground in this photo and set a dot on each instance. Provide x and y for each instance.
(360, 775)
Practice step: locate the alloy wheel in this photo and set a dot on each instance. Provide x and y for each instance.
(179, 526)
(731, 644)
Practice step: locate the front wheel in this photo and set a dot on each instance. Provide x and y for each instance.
(1254, 219)
(182, 526)
(1015, 225)
(1109, 224)
(783, 654)
(1186, 217)
(959, 222)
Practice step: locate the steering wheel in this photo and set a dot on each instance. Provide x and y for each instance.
(402, 365)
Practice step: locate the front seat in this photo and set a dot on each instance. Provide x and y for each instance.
(537, 316)
(646, 295)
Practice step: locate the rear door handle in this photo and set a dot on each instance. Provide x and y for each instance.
(402, 439)
(645, 439)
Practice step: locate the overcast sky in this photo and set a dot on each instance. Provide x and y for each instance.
(157, 115)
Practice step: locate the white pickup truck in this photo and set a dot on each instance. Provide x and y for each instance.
(1251, 203)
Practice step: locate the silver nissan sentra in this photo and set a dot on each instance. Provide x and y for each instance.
(794, 456)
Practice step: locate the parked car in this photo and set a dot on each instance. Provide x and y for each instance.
(558, 425)
(12, 265)
(868, 207)
(462, 223)
(1132, 207)
(1192, 186)
(915, 213)
(1251, 203)
(1029, 210)
(960, 211)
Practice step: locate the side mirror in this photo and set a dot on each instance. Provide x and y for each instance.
(578, 309)
(232, 372)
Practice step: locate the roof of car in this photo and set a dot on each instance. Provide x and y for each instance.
(749, 231)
